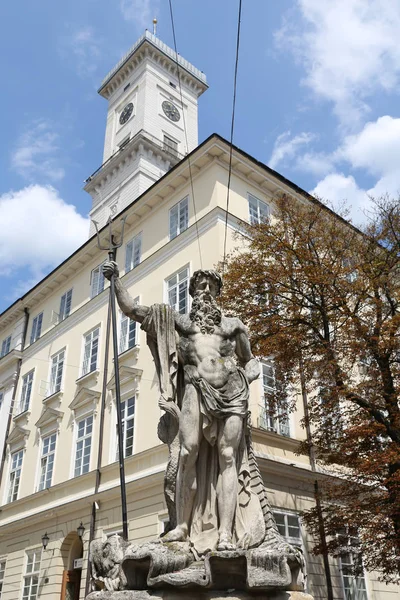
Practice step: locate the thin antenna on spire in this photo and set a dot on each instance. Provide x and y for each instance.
(154, 26)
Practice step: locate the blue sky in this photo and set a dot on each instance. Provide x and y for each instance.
(317, 100)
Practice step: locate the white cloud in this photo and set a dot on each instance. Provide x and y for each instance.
(349, 49)
(36, 152)
(32, 219)
(287, 147)
(85, 47)
(337, 189)
(375, 149)
(140, 12)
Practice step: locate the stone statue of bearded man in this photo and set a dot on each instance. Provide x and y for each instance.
(214, 492)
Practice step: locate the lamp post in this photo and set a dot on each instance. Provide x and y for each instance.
(80, 530)
(45, 540)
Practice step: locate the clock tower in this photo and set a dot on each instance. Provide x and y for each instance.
(151, 124)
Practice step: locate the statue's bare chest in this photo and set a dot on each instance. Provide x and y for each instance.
(193, 343)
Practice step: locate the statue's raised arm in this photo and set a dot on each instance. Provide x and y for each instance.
(129, 307)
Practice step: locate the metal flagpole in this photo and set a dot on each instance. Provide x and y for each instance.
(111, 249)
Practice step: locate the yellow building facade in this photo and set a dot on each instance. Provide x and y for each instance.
(58, 417)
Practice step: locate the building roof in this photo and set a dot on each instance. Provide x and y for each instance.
(221, 146)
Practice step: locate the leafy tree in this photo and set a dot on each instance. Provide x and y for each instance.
(323, 299)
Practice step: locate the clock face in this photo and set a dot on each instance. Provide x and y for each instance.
(171, 111)
(126, 113)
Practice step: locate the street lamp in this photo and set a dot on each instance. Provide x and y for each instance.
(80, 530)
(45, 540)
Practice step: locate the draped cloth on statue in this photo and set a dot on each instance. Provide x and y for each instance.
(249, 527)
(215, 406)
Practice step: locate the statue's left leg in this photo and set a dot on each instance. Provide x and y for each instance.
(229, 437)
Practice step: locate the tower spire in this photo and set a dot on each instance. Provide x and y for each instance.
(154, 26)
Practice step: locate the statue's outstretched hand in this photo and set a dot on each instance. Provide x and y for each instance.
(110, 268)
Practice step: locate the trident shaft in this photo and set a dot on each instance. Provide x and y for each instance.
(111, 248)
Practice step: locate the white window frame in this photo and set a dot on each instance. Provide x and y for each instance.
(36, 327)
(133, 252)
(57, 372)
(352, 591)
(26, 391)
(14, 475)
(3, 564)
(168, 289)
(179, 218)
(128, 332)
(47, 460)
(78, 463)
(5, 346)
(65, 305)
(277, 423)
(125, 419)
(97, 285)
(258, 209)
(294, 540)
(32, 574)
(87, 360)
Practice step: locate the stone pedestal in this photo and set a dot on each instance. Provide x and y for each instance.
(196, 595)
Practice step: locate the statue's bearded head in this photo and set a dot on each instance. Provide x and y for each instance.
(204, 287)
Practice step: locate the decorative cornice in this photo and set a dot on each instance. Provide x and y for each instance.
(48, 416)
(125, 374)
(142, 144)
(9, 382)
(22, 417)
(127, 355)
(10, 359)
(91, 376)
(53, 399)
(84, 397)
(18, 434)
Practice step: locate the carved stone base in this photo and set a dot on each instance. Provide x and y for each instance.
(196, 595)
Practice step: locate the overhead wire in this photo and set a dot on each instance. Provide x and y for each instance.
(232, 130)
(185, 130)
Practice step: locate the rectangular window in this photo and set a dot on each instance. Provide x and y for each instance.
(57, 366)
(128, 422)
(133, 254)
(5, 346)
(91, 351)
(351, 566)
(26, 392)
(258, 210)
(178, 291)
(83, 445)
(128, 333)
(15, 475)
(2, 572)
(170, 145)
(289, 527)
(353, 586)
(96, 281)
(179, 218)
(65, 306)
(47, 461)
(36, 327)
(1, 399)
(31, 578)
(272, 418)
